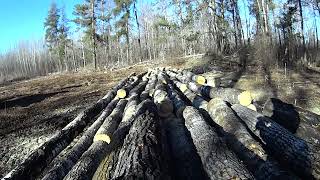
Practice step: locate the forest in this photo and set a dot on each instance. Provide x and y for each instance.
(117, 33)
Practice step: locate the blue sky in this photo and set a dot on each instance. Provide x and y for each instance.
(23, 19)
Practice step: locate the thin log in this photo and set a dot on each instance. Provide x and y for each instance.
(141, 156)
(300, 156)
(218, 161)
(300, 122)
(243, 144)
(43, 155)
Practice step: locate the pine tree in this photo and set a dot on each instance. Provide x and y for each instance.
(86, 18)
(64, 41)
(51, 26)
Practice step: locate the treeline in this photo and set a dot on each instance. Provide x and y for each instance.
(121, 32)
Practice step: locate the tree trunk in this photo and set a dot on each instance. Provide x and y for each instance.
(298, 121)
(141, 156)
(90, 159)
(93, 34)
(300, 156)
(43, 155)
(61, 165)
(218, 161)
(243, 144)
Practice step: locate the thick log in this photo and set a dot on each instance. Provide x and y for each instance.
(43, 155)
(185, 160)
(149, 88)
(177, 102)
(300, 156)
(61, 165)
(161, 98)
(243, 144)
(90, 159)
(218, 161)
(300, 122)
(107, 166)
(141, 156)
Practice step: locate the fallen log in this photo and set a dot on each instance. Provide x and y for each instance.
(161, 98)
(300, 122)
(141, 156)
(218, 161)
(107, 166)
(300, 156)
(43, 155)
(186, 162)
(61, 165)
(148, 92)
(91, 158)
(177, 102)
(243, 144)
(196, 100)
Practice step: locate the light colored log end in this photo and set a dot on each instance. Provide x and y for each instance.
(201, 80)
(102, 137)
(245, 98)
(252, 107)
(183, 87)
(121, 93)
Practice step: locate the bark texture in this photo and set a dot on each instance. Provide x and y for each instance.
(218, 161)
(42, 156)
(300, 156)
(141, 156)
(243, 144)
(90, 160)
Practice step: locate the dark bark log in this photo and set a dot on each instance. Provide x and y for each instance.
(186, 162)
(298, 121)
(118, 136)
(177, 102)
(61, 165)
(218, 161)
(149, 88)
(300, 156)
(42, 156)
(90, 159)
(141, 156)
(243, 144)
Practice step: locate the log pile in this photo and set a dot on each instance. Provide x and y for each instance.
(174, 124)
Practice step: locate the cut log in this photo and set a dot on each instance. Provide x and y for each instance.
(107, 166)
(161, 99)
(300, 156)
(243, 144)
(218, 161)
(300, 122)
(177, 102)
(141, 156)
(90, 159)
(186, 162)
(43, 155)
(116, 141)
(61, 165)
(196, 100)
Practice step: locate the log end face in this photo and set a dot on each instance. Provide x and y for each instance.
(102, 137)
(201, 80)
(121, 93)
(245, 98)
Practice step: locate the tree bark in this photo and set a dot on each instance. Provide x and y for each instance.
(218, 161)
(90, 159)
(300, 156)
(141, 155)
(243, 144)
(298, 121)
(40, 158)
(61, 165)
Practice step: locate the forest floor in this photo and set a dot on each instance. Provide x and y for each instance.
(33, 110)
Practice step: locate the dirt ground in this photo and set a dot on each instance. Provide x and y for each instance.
(33, 110)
